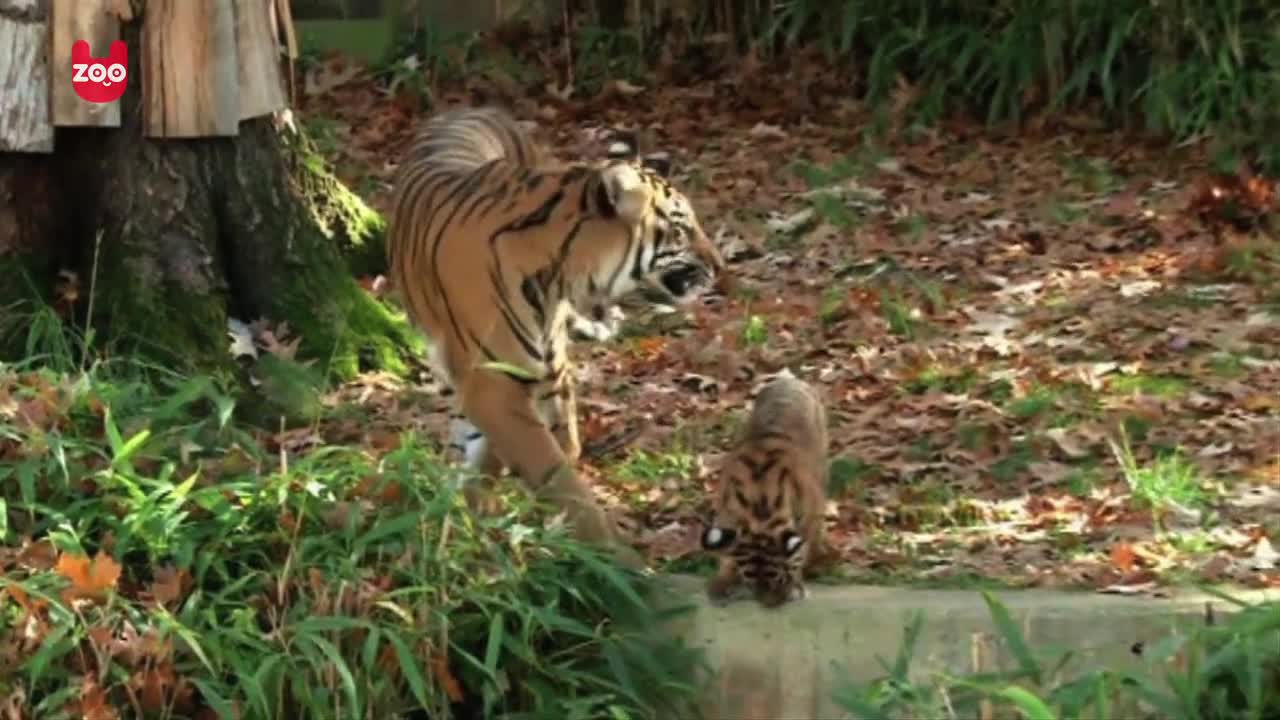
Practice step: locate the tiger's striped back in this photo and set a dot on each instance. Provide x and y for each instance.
(769, 507)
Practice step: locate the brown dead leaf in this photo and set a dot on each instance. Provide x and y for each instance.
(766, 131)
(326, 77)
(170, 585)
(1050, 472)
(153, 686)
(1072, 445)
(1123, 557)
(89, 579)
(273, 343)
(1134, 589)
(440, 668)
(674, 540)
(12, 708)
(1123, 205)
(31, 607)
(93, 703)
(39, 555)
(1261, 402)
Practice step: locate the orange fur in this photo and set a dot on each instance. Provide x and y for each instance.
(494, 248)
(768, 526)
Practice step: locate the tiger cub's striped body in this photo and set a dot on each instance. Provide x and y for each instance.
(496, 249)
(768, 526)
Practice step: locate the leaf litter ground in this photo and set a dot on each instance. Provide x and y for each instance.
(1049, 359)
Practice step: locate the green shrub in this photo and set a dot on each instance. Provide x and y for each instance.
(1176, 67)
(280, 576)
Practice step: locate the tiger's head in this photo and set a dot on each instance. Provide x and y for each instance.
(664, 253)
(769, 562)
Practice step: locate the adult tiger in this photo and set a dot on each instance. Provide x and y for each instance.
(494, 247)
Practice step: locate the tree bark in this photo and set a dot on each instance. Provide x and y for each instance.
(24, 77)
(192, 232)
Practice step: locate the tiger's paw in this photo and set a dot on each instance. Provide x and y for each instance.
(582, 328)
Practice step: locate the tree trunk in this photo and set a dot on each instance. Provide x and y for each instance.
(171, 237)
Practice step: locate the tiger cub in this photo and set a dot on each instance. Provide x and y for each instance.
(768, 527)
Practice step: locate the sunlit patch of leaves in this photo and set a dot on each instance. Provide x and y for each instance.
(1164, 386)
(755, 331)
(651, 467)
(1169, 479)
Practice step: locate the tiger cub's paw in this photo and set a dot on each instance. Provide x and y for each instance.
(724, 596)
(797, 592)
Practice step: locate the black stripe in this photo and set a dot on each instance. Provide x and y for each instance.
(636, 267)
(617, 270)
(469, 185)
(533, 295)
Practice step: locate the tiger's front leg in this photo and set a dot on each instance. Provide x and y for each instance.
(559, 405)
(504, 409)
(480, 459)
(725, 586)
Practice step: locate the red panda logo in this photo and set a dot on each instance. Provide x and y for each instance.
(99, 80)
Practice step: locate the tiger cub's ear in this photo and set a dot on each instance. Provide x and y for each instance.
(624, 194)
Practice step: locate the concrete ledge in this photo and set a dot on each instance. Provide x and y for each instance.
(786, 663)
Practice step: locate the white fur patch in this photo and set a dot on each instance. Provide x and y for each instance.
(627, 191)
(469, 440)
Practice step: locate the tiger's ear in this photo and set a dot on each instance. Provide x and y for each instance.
(717, 538)
(658, 162)
(625, 194)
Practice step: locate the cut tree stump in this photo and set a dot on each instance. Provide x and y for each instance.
(189, 69)
(96, 22)
(25, 125)
(171, 239)
(258, 58)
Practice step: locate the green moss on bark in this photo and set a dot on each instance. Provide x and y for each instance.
(29, 226)
(357, 230)
(195, 232)
(300, 277)
(155, 280)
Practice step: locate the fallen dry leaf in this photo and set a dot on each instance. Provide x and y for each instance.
(89, 579)
(440, 668)
(93, 703)
(170, 585)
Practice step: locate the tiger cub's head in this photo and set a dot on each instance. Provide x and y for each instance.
(756, 527)
(769, 565)
(666, 256)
